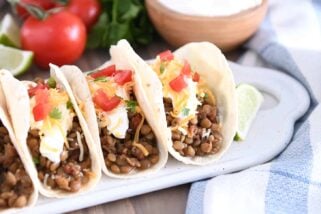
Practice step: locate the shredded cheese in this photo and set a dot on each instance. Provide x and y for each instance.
(81, 147)
(206, 133)
(136, 137)
(57, 97)
(204, 90)
(45, 181)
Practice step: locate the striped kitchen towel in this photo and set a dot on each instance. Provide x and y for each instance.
(288, 40)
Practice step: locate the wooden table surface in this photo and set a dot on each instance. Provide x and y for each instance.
(172, 200)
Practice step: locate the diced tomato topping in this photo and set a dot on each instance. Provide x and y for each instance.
(105, 72)
(104, 102)
(42, 96)
(42, 107)
(196, 77)
(186, 70)
(178, 83)
(32, 91)
(166, 56)
(123, 76)
(41, 111)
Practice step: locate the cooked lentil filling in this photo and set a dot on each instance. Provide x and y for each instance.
(15, 184)
(70, 173)
(124, 155)
(203, 132)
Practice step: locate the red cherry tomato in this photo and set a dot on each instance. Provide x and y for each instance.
(43, 4)
(60, 38)
(166, 56)
(41, 111)
(105, 72)
(196, 77)
(87, 10)
(32, 91)
(103, 102)
(123, 76)
(186, 70)
(178, 83)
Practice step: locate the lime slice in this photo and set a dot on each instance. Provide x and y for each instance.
(249, 100)
(15, 60)
(9, 32)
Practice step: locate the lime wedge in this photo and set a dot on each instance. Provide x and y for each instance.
(9, 32)
(15, 60)
(249, 100)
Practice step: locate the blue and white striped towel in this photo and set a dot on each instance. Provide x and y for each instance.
(289, 40)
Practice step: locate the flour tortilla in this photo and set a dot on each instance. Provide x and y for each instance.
(21, 149)
(19, 109)
(81, 91)
(210, 63)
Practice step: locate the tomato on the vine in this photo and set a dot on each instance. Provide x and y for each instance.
(43, 4)
(87, 10)
(59, 38)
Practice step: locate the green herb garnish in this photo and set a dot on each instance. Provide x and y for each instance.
(205, 95)
(162, 68)
(55, 114)
(125, 19)
(51, 83)
(36, 160)
(185, 111)
(69, 104)
(131, 105)
(101, 79)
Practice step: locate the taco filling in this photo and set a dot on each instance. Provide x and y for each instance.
(56, 140)
(190, 107)
(128, 142)
(15, 184)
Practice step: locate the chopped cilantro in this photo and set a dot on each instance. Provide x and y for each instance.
(55, 114)
(101, 79)
(185, 111)
(69, 104)
(131, 105)
(162, 68)
(51, 83)
(205, 95)
(35, 160)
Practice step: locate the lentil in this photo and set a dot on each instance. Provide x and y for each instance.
(69, 172)
(121, 156)
(15, 184)
(203, 131)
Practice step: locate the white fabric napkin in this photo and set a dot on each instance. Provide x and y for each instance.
(288, 40)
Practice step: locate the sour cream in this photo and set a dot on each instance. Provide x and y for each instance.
(210, 7)
(52, 144)
(116, 121)
(52, 136)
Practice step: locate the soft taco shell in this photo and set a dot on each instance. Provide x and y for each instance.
(19, 108)
(212, 66)
(81, 91)
(21, 149)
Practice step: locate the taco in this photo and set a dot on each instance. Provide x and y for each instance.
(47, 119)
(120, 117)
(17, 187)
(199, 99)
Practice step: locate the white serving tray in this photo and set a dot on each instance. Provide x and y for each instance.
(269, 135)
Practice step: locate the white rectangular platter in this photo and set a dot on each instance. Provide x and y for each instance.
(268, 136)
